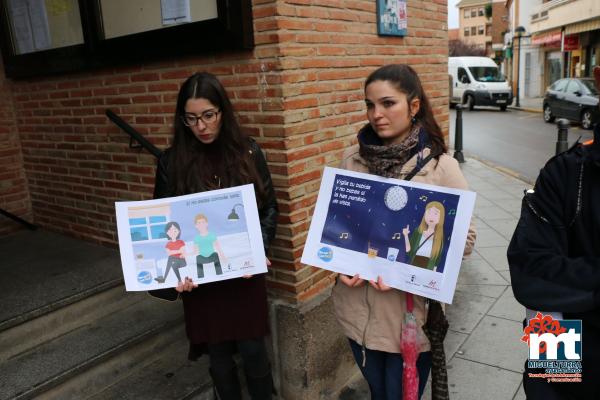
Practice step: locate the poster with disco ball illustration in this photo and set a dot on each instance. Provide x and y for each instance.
(410, 234)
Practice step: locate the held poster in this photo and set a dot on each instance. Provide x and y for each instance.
(209, 236)
(411, 234)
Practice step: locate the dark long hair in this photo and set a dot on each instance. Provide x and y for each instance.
(169, 226)
(406, 80)
(195, 166)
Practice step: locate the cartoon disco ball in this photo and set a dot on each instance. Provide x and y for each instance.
(395, 198)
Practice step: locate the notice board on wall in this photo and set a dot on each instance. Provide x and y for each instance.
(121, 18)
(38, 25)
(44, 37)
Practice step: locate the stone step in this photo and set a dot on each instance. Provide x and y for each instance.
(72, 315)
(43, 271)
(168, 377)
(91, 357)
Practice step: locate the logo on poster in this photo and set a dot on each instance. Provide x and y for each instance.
(144, 277)
(432, 285)
(325, 254)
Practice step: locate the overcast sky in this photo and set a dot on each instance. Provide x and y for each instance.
(452, 14)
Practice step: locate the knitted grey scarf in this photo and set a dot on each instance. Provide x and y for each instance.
(384, 160)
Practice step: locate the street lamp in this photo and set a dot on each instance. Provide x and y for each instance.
(519, 31)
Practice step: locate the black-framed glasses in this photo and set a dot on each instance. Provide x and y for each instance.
(208, 117)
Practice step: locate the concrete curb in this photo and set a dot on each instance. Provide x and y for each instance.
(504, 170)
(532, 110)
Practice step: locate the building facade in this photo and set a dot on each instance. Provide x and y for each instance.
(474, 26)
(478, 27)
(524, 65)
(569, 34)
(499, 26)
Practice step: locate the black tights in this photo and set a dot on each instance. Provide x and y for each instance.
(256, 368)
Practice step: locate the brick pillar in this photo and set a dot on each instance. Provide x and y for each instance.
(14, 193)
(325, 50)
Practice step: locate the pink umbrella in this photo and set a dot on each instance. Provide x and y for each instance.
(410, 353)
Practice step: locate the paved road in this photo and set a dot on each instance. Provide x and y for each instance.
(518, 140)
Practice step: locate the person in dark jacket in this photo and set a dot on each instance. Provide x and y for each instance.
(210, 152)
(554, 259)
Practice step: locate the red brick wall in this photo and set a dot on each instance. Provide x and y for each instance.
(299, 92)
(14, 196)
(499, 22)
(326, 49)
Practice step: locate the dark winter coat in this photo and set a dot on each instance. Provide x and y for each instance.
(232, 309)
(554, 254)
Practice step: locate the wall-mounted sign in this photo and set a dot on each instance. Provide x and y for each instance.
(391, 18)
(43, 37)
(571, 42)
(547, 38)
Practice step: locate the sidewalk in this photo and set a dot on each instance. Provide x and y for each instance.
(483, 348)
(531, 104)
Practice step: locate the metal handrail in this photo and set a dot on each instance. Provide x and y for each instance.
(135, 135)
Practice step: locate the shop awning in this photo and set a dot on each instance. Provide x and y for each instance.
(584, 26)
(546, 37)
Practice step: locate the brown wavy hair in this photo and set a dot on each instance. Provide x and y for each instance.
(406, 80)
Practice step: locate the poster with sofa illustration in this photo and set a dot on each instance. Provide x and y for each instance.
(410, 234)
(209, 236)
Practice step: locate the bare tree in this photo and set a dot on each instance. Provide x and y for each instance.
(458, 48)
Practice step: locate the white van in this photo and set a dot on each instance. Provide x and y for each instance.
(477, 81)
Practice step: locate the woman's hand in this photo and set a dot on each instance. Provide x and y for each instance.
(354, 281)
(406, 231)
(379, 285)
(186, 286)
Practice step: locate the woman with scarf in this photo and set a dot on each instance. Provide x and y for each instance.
(399, 138)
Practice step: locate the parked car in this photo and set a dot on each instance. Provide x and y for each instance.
(477, 81)
(572, 98)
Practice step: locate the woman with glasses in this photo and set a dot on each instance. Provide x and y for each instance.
(209, 151)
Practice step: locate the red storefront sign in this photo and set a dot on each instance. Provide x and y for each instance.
(549, 38)
(571, 42)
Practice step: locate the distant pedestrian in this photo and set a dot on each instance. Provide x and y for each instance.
(400, 137)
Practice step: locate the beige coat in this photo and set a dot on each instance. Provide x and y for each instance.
(373, 318)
